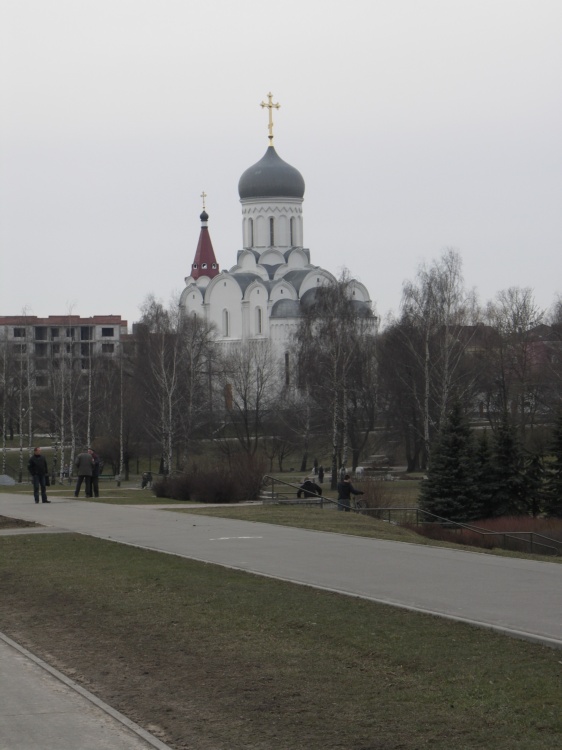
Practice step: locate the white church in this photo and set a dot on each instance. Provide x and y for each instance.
(263, 294)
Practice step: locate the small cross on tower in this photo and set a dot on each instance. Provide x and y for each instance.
(203, 196)
(270, 106)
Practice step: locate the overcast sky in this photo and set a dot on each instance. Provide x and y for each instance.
(417, 125)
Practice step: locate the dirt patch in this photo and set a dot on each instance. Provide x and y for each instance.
(15, 523)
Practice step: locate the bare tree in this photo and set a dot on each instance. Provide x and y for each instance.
(250, 378)
(436, 325)
(334, 340)
(515, 384)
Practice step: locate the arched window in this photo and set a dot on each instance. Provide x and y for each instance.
(251, 232)
(292, 231)
(271, 231)
(259, 320)
(225, 323)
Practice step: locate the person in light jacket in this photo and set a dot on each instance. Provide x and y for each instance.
(84, 468)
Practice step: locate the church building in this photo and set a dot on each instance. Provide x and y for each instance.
(262, 296)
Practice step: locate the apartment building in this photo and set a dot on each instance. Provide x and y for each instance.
(45, 342)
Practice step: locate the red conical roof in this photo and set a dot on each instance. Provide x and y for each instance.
(204, 263)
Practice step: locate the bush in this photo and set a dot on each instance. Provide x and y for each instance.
(242, 481)
(176, 487)
(524, 525)
(377, 494)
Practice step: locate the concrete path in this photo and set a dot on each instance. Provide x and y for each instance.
(520, 597)
(41, 709)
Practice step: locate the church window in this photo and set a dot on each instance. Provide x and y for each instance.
(251, 231)
(195, 265)
(271, 231)
(259, 320)
(203, 265)
(213, 265)
(225, 323)
(292, 231)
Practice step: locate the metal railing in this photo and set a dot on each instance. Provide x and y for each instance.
(534, 542)
(411, 515)
(278, 497)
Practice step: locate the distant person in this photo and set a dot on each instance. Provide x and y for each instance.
(309, 489)
(320, 474)
(84, 467)
(96, 468)
(37, 467)
(345, 491)
(146, 480)
(315, 467)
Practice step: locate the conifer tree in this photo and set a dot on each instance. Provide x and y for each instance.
(510, 491)
(484, 476)
(450, 488)
(553, 484)
(535, 476)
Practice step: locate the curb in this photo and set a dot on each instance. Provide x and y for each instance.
(135, 728)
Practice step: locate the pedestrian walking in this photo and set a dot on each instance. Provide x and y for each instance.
(345, 491)
(37, 467)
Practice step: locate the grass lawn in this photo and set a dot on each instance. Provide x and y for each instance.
(215, 659)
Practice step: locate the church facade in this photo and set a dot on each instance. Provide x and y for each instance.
(262, 296)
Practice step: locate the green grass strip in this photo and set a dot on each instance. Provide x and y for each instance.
(213, 658)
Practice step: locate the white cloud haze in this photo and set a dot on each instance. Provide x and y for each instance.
(416, 126)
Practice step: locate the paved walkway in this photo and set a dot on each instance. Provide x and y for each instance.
(519, 597)
(41, 709)
(523, 597)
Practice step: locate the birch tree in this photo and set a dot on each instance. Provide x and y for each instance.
(335, 340)
(435, 324)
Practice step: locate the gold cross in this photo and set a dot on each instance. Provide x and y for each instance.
(203, 195)
(270, 106)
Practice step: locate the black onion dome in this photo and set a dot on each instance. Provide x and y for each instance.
(271, 177)
(204, 216)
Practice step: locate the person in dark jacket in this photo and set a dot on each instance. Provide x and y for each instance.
(96, 468)
(37, 466)
(345, 491)
(309, 489)
(84, 469)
